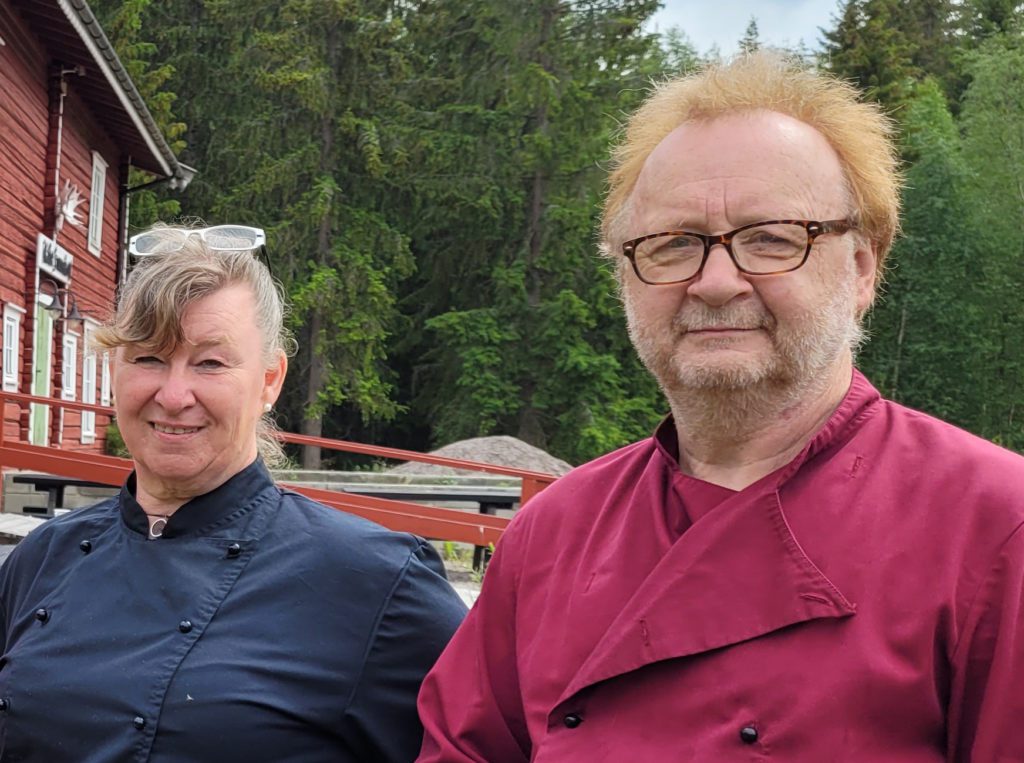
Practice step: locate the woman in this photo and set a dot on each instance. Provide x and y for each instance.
(204, 614)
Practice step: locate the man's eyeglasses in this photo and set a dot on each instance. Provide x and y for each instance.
(225, 238)
(766, 248)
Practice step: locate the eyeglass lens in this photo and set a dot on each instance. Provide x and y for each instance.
(161, 242)
(762, 249)
(230, 237)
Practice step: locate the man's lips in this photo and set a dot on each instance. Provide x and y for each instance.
(722, 329)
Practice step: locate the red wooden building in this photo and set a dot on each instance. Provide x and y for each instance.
(72, 124)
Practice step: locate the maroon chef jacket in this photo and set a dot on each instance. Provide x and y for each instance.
(863, 603)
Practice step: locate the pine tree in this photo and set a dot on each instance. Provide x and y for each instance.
(751, 40)
(522, 320)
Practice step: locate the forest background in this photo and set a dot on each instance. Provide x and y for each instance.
(429, 174)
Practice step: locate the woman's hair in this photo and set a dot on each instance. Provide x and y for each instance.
(160, 287)
(860, 134)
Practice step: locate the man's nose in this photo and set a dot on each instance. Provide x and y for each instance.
(720, 281)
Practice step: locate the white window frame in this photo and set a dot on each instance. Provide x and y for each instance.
(89, 360)
(105, 380)
(12, 347)
(69, 367)
(96, 201)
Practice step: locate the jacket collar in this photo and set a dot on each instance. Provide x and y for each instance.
(203, 513)
(736, 574)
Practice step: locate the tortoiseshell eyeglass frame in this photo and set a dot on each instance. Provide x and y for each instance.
(814, 229)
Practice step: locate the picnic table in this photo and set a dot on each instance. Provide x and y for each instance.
(53, 485)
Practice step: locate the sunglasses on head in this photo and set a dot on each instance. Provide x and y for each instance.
(225, 238)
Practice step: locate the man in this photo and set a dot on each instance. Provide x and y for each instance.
(791, 567)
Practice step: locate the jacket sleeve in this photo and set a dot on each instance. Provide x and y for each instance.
(987, 698)
(416, 621)
(470, 703)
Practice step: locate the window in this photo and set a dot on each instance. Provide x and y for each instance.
(105, 380)
(88, 388)
(12, 347)
(99, 179)
(68, 367)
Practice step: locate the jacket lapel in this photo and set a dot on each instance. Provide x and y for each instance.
(737, 574)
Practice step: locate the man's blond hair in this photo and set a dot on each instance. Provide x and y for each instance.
(858, 131)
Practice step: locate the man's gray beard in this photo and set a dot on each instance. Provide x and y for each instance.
(732, 399)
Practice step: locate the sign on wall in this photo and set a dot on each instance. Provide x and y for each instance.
(53, 259)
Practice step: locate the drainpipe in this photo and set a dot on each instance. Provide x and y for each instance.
(178, 182)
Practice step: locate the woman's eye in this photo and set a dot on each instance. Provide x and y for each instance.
(210, 363)
(145, 360)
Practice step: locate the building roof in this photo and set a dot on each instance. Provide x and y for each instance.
(70, 31)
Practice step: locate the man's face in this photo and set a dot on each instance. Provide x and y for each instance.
(724, 329)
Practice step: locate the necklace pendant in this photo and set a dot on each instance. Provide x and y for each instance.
(156, 528)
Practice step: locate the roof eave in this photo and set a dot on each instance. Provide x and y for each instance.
(88, 29)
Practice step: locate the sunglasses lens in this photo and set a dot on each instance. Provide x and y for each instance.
(232, 237)
(158, 242)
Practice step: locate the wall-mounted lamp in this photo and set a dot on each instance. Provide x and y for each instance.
(66, 308)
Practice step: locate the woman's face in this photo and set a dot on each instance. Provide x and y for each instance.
(188, 416)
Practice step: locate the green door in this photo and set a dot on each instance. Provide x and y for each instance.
(42, 356)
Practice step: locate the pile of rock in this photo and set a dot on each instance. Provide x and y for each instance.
(501, 450)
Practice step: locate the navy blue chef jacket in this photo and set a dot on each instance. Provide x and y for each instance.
(262, 626)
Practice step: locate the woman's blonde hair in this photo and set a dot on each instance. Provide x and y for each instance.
(858, 131)
(160, 288)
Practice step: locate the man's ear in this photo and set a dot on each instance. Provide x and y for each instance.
(865, 260)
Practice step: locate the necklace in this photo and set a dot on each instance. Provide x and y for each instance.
(157, 523)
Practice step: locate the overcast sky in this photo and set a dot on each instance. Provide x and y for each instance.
(780, 22)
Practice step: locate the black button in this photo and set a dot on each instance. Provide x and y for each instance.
(572, 720)
(234, 550)
(42, 615)
(185, 626)
(3, 705)
(139, 722)
(86, 546)
(748, 735)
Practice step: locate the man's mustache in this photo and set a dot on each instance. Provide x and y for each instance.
(696, 317)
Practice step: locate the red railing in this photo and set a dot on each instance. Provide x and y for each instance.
(532, 482)
(427, 521)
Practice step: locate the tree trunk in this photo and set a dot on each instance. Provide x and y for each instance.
(312, 422)
(530, 428)
(894, 390)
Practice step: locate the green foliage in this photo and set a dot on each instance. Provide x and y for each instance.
(429, 174)
(510, 134)
(122, 21)
(751, 39)
(113, 444)
(919, 336)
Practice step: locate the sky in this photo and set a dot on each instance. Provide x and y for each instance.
(779, 22)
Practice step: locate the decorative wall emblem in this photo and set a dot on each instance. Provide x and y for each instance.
(68, 201)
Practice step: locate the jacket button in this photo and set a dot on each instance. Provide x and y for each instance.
(4, 704)
(85, 546)
(572, 720)
(42, 615)
(234, 550)
(185, 626)
(139, 722)
(748, 735)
